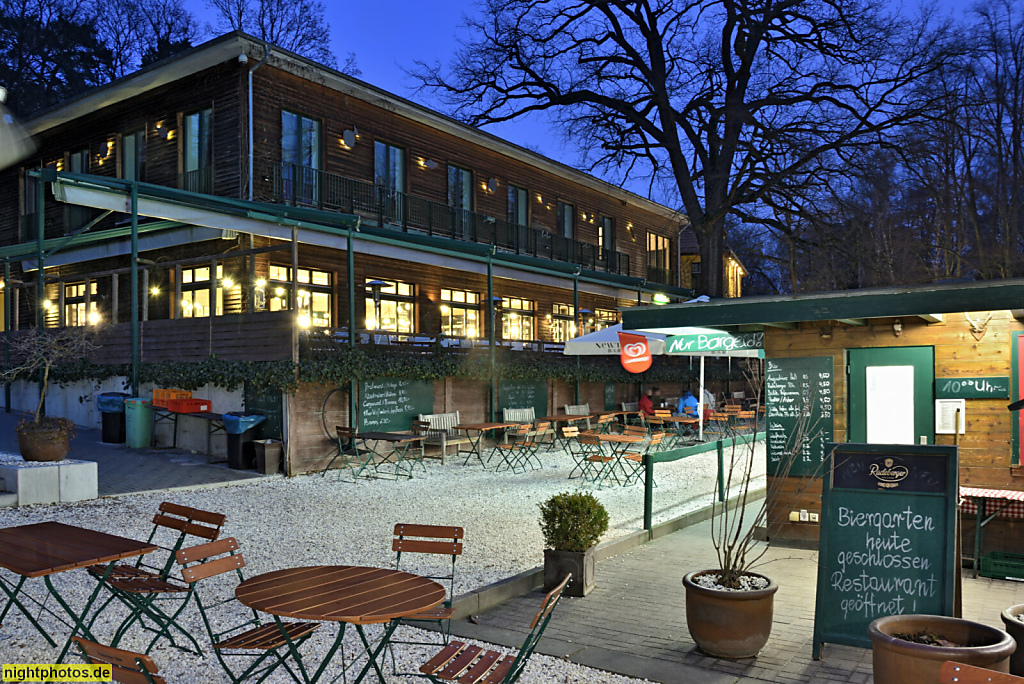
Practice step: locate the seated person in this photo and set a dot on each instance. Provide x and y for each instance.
(687, 405)
(646, 403)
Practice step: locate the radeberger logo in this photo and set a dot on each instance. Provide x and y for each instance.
(890, 475)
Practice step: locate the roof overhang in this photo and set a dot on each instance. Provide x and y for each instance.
(928, 302)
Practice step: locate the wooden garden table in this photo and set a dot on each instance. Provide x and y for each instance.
(617, 445)
(479, 429)
(398, 444)
(45, 549)
(344, 594)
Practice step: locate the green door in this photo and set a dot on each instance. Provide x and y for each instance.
(891, 395)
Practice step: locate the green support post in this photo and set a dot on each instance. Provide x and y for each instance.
(40, 278)
(135, 288)
(490, 332)
(721, 471)
(576, 318)
(350, 265)
(648, 493)
(7, 331)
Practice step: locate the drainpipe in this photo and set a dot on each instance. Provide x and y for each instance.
(266, 54)
(135, 288)
(7, 331)
(576, 319)
(490, 331)
(350, 266)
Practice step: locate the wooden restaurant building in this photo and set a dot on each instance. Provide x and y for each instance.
(900, 363)
(236, 198)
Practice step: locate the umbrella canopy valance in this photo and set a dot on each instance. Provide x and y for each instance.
(605, 342)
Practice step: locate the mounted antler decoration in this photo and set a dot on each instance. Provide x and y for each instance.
(978, 327)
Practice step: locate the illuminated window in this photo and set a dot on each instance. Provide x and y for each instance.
(659, 258)
(563, 324)
(76, 312)
(460, 313)
(606, 233)
(395, 309)
(313, 298)
(517, 319)
(195, 292)
(604, 318)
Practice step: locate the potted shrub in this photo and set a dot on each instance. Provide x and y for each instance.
(572, 524)
(1013, 621)
(44, 438)
(910, 649)
(729, 609)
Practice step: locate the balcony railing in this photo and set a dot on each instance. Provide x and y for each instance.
(200, 180)
(665, 276)
(303, 186)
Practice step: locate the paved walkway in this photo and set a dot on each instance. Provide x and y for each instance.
(124, 471)
(634, 622)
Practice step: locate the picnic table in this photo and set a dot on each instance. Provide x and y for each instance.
(348, 595)
(45, 549)
(388, 447)
(214, 425)
(479, 429)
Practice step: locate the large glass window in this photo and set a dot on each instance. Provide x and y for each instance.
(658, 258)
(606, 233)
(517, 318)
(76, 311)
(133, 156)
(604, 318)
(563, 322)
(566, 220)
(389, 166)
(300, 155)
(460, 199)
(314, 295)
(460, 313)
(518, 206)
(76, 216)
(393, 309)
(195, 292)
(197, 151)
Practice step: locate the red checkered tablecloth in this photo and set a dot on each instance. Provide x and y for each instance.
(968, 495)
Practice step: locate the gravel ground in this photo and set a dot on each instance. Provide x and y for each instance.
(309, 520)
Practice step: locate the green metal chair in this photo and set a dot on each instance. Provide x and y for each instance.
(517, 450)
(126, 667)
(635, 459)
(269, 645)
(474, 665)
(443, 545)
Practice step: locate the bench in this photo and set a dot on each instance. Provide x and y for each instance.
(579, 410)
(518, 415)
(440, 431)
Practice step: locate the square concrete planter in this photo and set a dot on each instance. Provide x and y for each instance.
(61, 481)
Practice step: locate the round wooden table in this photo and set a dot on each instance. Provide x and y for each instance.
(345, 594)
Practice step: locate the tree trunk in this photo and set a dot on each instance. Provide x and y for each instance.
(711, 238)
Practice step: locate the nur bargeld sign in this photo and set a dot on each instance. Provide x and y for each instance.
(714, 342)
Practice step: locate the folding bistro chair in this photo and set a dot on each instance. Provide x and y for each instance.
(596, 464)
(474, 665)
(127, 667)
(442, 543)
(635, 459)
(269, 645)
(604, 423)
(543, 429)
(517, 450)
(145, 586)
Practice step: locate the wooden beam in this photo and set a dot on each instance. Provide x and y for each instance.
(930, 318)
(853, 321)
(781, 324)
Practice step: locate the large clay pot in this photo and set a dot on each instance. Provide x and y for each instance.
(39, 443)
(557, 564)
(1015, 628)
(729, 624)
(897, 661)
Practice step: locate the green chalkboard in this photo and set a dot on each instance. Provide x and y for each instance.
(391, 404)
(887, 545)
(267, 402)
(996, 387)
(609, 397)
(523, 394)
(798, 391)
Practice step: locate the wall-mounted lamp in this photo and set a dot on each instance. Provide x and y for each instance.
(348, 137)
(492, 185)
(431, 164)
(94, 318)
(162, 131)
(897, 327)
(825, 331)
(659, 299)
(154, 290)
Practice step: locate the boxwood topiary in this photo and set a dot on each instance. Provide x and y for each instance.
(572, 521)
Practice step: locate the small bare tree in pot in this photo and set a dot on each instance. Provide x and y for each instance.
(45, 438)
(572, 524)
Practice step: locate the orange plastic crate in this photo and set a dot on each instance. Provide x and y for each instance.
(189, 406)
(162, 396)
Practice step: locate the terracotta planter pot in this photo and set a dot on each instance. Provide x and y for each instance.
(1015, 628)
(581, 564)
(896, 661)
(729, 624)
(43, 444)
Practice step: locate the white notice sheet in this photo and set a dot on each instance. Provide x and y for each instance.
(890, 404)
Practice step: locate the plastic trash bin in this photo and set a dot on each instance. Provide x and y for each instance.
(139, 422)
(238, 425)
(268, 456)
(111, 406)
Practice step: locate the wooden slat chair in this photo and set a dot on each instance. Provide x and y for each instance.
(127, 667)
(265, 644)
(717, 422)
(356, 456)
(518, 415)
(439, 547)
(578, 410)
(581, 451)
(597, 465)
(605, 423)
(635, 418)
(953, 672)
(519, 450)
(544, 433)
(468, 664)
(441, 432)
(635, 459)
(144, 586)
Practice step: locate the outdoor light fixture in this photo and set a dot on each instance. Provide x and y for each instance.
(154, 290)
(304, 321)
(94, 317)
(492, 185)
(897, 327)
(431, 164)
(348, 138)
(47, 304)
(659, 299)
(163, 131)
(261, 282)
(228, 283)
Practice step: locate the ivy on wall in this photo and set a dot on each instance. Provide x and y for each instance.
(366, 363)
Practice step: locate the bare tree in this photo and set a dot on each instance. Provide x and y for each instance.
(733, 101)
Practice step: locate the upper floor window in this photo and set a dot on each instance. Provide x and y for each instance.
(313, 296)
(76, 216)
(197, 151)
(389, 166)
(566, 220)
(78, 161)
(390, 306)
(460, 313)
(195, 292)
(606, 233)
(563, 322)
(77, 311)
(659, 260)
(300, 156)
(518, 206)
(133, 156)
(517, 319)
(604, 318)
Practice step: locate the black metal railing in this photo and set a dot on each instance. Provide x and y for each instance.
(303, 186)
(665, 276)
(200, 180)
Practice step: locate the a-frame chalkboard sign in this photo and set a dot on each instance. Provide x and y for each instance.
(887, 537)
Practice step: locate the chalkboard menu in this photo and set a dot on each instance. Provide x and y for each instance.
(887, 544)
(997, 387)
(795, 388)
(523, 394)
(609, 397)
(391, 404)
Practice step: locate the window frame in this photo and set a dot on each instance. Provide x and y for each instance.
(277, 294)
(391, 297)
(563, 322)
(566, 210)
(192, 286)
(606, 233)
(84, 305)
(453, 305)
(517, 195)
(390, 166)
(523, 309)
(139, 155)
